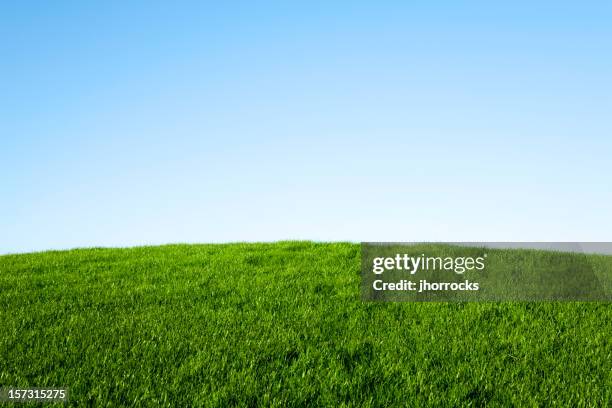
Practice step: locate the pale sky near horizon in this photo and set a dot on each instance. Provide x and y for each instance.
(159, 122)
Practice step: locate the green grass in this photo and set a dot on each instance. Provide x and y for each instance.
(281, 324)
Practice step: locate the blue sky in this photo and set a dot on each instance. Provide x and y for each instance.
(146, 123)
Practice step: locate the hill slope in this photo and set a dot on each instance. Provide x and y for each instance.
(280, 324)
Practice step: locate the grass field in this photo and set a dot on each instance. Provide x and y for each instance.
(281, 324)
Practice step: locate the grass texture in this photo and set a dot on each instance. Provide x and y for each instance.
(281, 325)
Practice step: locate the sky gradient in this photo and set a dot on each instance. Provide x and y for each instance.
(149, 123)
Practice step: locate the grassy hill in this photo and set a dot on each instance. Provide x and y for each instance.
(281, 324)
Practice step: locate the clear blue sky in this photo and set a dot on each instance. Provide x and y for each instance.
(144, 123)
